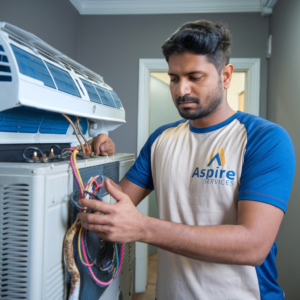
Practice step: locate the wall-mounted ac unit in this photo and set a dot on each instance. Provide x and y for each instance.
(37, 82)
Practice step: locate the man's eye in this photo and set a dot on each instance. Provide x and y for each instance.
(196, 78)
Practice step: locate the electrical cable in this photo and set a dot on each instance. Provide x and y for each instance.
(87, 191)
(31, 148)
(88, 150)
(80, 242)
(74, 128)
(56, 146)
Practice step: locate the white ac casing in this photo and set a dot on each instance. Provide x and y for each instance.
(26, 91)
(33, 222)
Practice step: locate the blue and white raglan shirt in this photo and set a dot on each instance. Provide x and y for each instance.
(199, 175)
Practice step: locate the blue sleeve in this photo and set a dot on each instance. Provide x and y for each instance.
(269, 165)
(140, 173)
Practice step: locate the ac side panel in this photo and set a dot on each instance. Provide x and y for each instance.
(9, 82)
(125, 166)
(57, 195)
(21, 254)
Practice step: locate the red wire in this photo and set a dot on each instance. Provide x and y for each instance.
(97, 188)
(94, 182)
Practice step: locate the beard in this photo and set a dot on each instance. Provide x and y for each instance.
(212, 102)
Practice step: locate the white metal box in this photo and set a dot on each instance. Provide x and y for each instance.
(33, 222)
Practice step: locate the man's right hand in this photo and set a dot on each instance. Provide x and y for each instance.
(102, 145)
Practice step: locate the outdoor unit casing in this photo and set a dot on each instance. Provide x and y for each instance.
(34, 201)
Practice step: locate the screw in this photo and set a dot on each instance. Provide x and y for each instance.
(51, 154)
(35, 157)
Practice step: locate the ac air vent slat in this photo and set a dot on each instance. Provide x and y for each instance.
(14, 233)
(57, 294)
(16, 186)
(54, 282)
(16, 193)
(53, 285)
(15, 278)
(15, 271)
(16, 264)
(53, 271)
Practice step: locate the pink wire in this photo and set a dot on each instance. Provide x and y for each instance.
(90, 269)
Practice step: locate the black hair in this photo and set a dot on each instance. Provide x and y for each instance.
(201, 37)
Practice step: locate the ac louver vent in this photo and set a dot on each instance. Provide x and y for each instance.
(14, 241)
(4, 68)
(55, 283)
(128, 254)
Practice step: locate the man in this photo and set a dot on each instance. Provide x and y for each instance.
(222, 181)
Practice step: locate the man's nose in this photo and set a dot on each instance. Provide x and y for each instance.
(183, 88)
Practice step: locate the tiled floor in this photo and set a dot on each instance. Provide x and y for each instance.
(151, 283)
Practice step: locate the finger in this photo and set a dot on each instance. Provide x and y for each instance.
(95, 219)
(100, 139)
(99, 229)
(97, 205)
(113, 191)
(107, 148)
(104, 147)
(115, 185)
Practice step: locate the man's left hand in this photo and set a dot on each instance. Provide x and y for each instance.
(121, 222)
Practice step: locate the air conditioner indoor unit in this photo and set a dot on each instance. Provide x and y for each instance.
(37, 85)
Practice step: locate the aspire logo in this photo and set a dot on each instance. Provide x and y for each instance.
(218, 175)
(219, 156)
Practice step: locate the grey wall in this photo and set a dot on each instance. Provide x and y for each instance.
(113, 45)
(53, 21)
(284, 109)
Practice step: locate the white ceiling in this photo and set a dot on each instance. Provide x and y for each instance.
(129, 7)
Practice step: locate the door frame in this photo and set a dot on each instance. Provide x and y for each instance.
(252, 95)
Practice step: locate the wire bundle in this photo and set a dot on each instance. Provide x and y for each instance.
(86, 191)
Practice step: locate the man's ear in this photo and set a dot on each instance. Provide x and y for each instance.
(227, 75)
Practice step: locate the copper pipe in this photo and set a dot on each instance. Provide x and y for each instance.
(79, 129)
(74, 128)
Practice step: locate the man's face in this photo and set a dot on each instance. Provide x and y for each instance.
(196, 86)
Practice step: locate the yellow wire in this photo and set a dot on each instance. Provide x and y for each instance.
(76, 168)
(91, 182)
(79, 249)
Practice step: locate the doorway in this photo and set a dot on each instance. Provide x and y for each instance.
(153, 72)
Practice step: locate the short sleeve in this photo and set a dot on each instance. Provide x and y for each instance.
(140, 173)
(269, 166)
